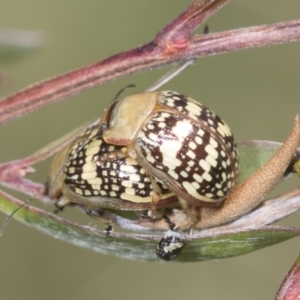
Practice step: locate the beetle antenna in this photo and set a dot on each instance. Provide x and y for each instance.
(11, 215)
(122, 90)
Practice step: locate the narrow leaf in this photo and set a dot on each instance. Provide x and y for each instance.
(199, 246)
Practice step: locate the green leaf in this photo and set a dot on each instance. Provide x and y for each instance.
(229, 244)
(16, 44)
(142, 246)
(253, 154)
(200, 246)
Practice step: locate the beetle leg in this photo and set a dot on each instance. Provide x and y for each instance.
(60, 204)
(190, 212)
(155, 198)
(170, 223)
(99, 216)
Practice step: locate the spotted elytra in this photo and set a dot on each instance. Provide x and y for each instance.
(96, 174)
(179, 142)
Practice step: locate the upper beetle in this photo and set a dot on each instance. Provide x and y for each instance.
(180, 142)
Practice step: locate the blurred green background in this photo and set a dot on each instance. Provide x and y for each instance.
(256, 91)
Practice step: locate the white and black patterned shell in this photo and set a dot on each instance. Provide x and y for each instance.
(102, 175)
(184, 145)
(170, 246)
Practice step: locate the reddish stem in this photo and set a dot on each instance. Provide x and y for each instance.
(173, 36)
(173, 44)
(290, 287)
(177, 34)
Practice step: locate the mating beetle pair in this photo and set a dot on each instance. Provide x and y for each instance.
(150, 151)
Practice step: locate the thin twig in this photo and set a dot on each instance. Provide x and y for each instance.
(169, 76)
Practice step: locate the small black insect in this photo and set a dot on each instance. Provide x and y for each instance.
(170, 246)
